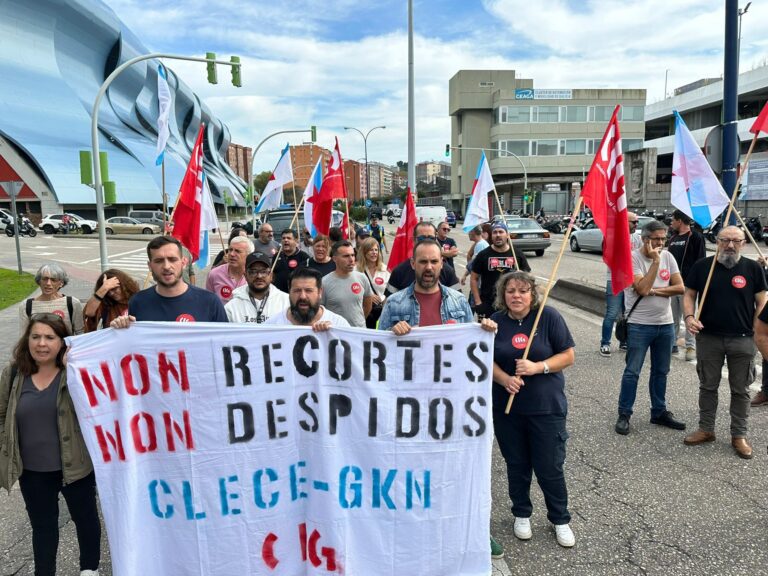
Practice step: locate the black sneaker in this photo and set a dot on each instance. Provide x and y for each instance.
(622, 425)
(667, 419)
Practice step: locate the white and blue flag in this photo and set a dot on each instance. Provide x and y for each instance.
(695, 188)
(313, 189)
(272, 196)
(478, 211)
(164, 101)
(208, 221)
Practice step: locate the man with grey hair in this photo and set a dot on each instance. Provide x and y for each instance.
(224, 280)
(656, 280)
(724, 333)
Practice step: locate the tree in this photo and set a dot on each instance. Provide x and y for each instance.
(402, 165)
(260, 181)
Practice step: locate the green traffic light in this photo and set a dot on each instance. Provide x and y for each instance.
(212, 77)
(447, 150)
(313, 130)
(236, 79)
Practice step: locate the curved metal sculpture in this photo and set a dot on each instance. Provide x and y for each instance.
(54, 56)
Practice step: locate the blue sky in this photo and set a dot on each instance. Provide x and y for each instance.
(344, 62)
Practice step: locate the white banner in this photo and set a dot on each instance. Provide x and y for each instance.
(235, 449)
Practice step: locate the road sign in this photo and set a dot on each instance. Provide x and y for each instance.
(368, 203)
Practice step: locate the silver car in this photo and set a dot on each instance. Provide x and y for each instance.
(526, 235)
(590, 237)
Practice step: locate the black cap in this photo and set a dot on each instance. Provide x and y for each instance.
(257, 257)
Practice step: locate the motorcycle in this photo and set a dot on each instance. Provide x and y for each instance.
(24, 225)
(755, 227)
(711, 231)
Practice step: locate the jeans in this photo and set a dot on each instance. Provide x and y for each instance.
(657, 337)
(40, 491)
(712, 353)
(765, 377)
(534, 444)
(677, 313)
(614, 305)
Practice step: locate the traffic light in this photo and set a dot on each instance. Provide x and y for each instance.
(212, 78)
(313, 130)
(447, 150)
(526, 198)
(236, 79)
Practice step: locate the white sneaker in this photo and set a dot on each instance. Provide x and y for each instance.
(89, 573)
(564, 535)
(523, 528)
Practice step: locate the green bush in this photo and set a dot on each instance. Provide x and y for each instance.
(359, 213)
(15, 287)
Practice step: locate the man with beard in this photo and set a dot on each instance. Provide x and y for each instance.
(724, 334)
(305, 292)
(426, 302)
(171, 299)
(289, 259)
(490, 264)
(258, 300)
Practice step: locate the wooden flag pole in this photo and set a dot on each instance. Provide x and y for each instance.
(293, 221)
(550, 283)
(704, 292)
(504, 220)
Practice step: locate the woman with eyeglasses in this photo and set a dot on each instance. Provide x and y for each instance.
(110, 299)
(532, 436)
(370, 263)
(51, 278)
(42, 447)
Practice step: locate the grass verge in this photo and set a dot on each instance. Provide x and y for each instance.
(15, 287)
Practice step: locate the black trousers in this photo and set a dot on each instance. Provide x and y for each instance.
(534, 444)
(40, 491)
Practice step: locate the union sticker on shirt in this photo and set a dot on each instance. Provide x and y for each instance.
(378, 280)
(292, 263)
(185, 318)
(59, 313)
(226, 292)
(520, 341)
(739, 281)
(664, 274)
(356, 287)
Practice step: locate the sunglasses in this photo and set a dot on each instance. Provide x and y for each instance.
(420, 238)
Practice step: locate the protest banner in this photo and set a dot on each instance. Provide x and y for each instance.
(235, 449)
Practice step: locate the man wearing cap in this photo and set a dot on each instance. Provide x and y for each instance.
(490, 264)
(258, 300)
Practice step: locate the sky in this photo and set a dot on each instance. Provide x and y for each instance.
(337, 63)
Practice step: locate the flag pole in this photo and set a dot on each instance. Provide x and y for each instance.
(736, 187)
(501, 213)
(293, 221)
(550, 284)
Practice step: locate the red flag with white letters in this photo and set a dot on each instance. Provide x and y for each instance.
(402, 247)
(186, 216)
(604, 194)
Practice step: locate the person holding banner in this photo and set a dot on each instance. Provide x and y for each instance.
(426, 302)
(171, 299)
(724, 334)
(305, 291)
(258, 300)
(532, 436)
(42, 447)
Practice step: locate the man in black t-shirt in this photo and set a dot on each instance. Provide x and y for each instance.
(288, 259)
(447, 245)
(688, 247)
(724, 334)
(490, 264)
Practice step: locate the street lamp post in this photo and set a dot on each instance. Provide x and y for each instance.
(365, 146)
(742, 11)
(506, 153)
(97, 183)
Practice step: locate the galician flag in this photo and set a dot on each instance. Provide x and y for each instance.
(187, 217)
(695, 188)
(310, 192)
(164, 105)
(208, 221)
(478, 211)
(272, 196)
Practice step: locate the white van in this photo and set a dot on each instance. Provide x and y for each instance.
(433, 214)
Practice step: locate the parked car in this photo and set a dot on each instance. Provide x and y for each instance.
(148, 216)
(527, 235)
(6, 218)
(451, 218)
(281, 219)
(125, 225)
(590, 237)
(51, 223)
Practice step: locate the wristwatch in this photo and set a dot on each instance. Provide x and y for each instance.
(546, 368)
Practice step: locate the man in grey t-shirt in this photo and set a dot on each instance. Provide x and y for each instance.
(265, 242)
(346, 291)
(649, 326)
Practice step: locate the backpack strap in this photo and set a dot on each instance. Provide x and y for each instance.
(29, 307)
(70, 310)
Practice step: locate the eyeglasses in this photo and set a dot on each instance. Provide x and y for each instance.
(445, 229)
(726, 241)
(424, 237)
(258, 272)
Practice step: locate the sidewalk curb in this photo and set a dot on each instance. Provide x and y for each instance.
(584, 296)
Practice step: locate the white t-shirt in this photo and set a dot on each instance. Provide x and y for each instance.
(241, 308)
(652, 310)
(336, 321)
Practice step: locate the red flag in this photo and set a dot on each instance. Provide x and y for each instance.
(402, 247)
(186, 215)
(761, 124)
(334, 186)
(345, 226)
(604, 194)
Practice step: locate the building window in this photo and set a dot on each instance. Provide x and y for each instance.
(518, 114)
(600, 113)
(631, 144)
(575, 114)
(592, 146)
(547, 114)
(575, 147)
(633, 113)
(517, 147)
(546, 147)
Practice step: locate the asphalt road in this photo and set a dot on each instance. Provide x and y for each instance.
(642, 504)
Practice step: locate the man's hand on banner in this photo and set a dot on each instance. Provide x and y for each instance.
(321, 326)
(122, 322)
(401, 328)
